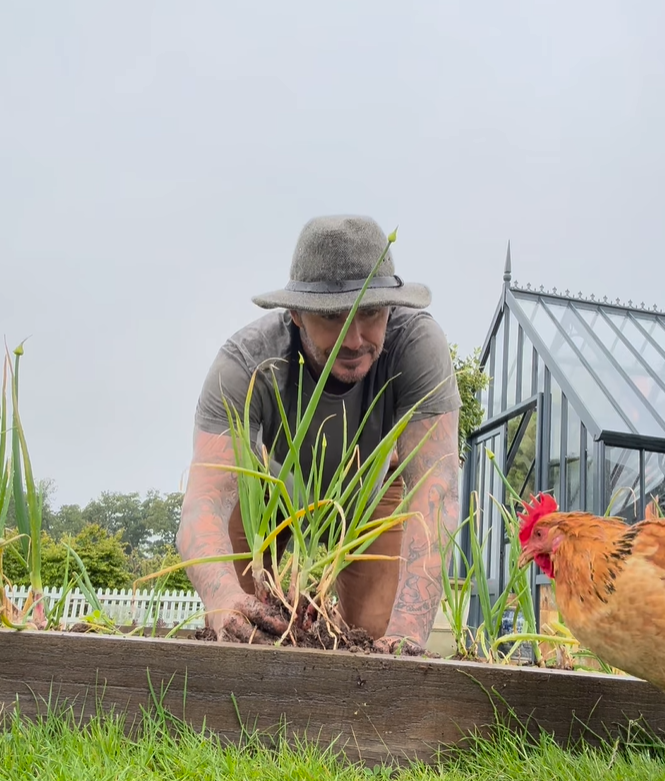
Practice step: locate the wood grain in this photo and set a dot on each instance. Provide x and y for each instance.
(378, 708)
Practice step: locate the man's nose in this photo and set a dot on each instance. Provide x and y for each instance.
(353, 339)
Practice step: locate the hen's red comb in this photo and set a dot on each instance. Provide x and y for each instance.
(542, 505)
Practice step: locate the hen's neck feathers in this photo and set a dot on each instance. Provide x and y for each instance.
(591, 554)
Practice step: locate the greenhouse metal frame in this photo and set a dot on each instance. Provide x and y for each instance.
(575, 407)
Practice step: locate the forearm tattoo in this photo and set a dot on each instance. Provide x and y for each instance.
(420, 586)
(209, 500)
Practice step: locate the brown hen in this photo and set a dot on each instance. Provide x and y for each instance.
(610, 581)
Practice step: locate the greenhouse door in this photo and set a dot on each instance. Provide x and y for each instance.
(515, 442)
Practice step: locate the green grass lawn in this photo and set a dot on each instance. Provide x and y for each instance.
(57, 747)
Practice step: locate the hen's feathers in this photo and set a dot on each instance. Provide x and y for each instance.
(610, 589)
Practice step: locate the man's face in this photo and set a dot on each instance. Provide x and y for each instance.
(362, 344)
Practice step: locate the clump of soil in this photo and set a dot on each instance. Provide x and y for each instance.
(354, 639)
(206, 634)
(83, 627)
(312, 630)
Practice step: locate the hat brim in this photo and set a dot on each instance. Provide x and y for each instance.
(412, 295)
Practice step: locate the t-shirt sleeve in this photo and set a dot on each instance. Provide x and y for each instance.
(228, 378)
(425, 363)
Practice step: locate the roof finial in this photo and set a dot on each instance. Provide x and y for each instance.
(507, 271)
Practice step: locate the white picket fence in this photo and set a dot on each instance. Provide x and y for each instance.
(125, 608)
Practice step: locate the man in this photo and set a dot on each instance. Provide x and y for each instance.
(390, 337)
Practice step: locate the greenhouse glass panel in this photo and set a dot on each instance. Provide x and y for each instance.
(512, 430)
(527, 305)
(636, 411)
(488, 486)
(590, 471)
(566, 344)
(506, 565)
(521, 458)
(494, 519)
(574, 500)
(488, 527)
(497, 382)
(478, 469)
(511, 389)
(656, 329)
(540, 378)
(527, 369)
(554, 470)
(622, 478)
(483, 468)
(654, 477)
(651, 354)
(638, 372)
(484, 400)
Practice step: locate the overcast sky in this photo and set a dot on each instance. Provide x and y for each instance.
(158, 160)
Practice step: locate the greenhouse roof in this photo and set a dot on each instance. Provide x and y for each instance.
(607, 355)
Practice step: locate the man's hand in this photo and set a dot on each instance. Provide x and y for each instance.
(243, 618)
(402, 646)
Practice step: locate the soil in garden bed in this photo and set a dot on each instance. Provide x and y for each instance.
(313, 631)
(317, 636)
(307, 631)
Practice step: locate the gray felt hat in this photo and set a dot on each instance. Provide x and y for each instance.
(333, 258)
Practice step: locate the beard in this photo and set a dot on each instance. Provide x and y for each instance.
(319, 358)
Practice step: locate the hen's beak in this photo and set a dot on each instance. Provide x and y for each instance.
(524, 559)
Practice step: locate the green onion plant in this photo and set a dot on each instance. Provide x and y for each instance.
(18, 482)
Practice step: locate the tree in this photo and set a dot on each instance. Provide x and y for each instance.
(175, 581)
(162, 518)
(119, 513)
(48, 516)
(470, 381)
(102, 555)
(13, 568)
(68, 520)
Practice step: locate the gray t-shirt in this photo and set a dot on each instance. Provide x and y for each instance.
(415, 358)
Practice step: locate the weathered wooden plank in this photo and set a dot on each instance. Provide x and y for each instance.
(380, 708)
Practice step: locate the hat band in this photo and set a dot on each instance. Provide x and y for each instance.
(341, 285)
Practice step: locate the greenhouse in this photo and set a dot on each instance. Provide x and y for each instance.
(575, 407)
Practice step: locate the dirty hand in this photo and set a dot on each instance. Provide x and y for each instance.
(244, 618)
(402, 646)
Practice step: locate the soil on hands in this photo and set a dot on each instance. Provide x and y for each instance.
(309, 630)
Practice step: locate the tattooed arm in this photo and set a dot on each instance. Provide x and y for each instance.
(209, 500)
(420, 586)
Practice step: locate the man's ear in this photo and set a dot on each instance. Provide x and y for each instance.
(297, 320)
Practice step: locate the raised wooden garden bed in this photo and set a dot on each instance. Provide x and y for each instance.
(378, 708)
